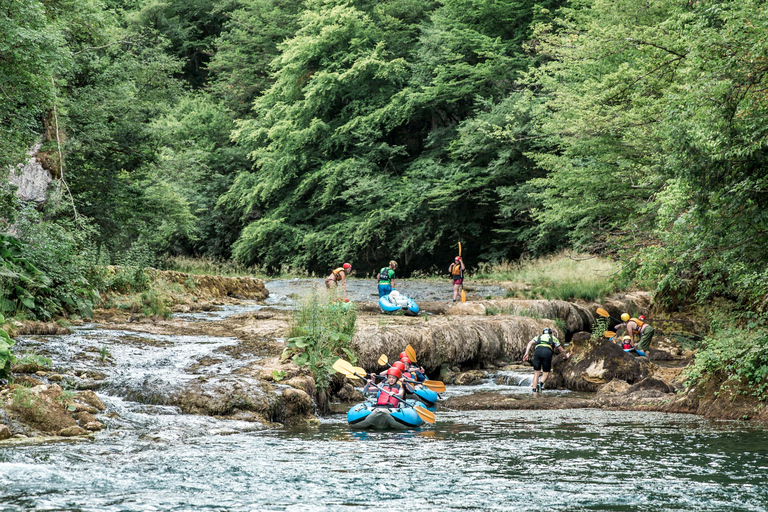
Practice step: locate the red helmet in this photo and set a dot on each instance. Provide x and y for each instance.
(347, 266)
(405, 360)
(395, 371)
(402, 355)
(457, 259)
(641, 317)
(400, 366)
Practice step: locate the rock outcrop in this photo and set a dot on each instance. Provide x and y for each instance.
(594, 364)
(470, 342)
(31, 178)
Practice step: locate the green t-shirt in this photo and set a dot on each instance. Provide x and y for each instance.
(389, 272)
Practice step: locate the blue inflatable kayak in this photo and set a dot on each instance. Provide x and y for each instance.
(396, 301)
(635, 352)
(427, 397)
(367, 415)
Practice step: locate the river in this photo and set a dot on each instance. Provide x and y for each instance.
(151, 458)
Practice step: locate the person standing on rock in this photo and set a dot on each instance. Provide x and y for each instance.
(339, 274)
(387, 279)
(545, 346)
(457, 275)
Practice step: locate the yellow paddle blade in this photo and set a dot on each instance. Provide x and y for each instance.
(459, 248)
(383, 360)
(344, 367)
(602, 312)
(463, 296)
(434, 385)
(424, 414)
(410, 353)
(609, 334)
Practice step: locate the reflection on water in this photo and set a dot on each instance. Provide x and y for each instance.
(484, 460)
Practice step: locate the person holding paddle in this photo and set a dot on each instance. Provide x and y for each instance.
(389, 392)
(542, 357)
(417, 372)
(457, 275)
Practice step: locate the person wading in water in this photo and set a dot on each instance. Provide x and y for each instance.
(542, 356)
(339, 274)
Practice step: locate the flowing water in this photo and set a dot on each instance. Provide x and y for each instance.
(152, 458)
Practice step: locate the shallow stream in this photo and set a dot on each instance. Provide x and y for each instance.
(152, 458)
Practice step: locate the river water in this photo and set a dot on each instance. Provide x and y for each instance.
(152, 458)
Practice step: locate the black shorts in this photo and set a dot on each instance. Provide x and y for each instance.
(542, 359)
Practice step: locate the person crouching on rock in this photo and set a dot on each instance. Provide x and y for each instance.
(339, 274)
(542, 356)
(457, 275)
(387, 391)
(387, 279)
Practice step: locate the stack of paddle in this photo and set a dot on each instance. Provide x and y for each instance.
(346, 368)
(603, 313)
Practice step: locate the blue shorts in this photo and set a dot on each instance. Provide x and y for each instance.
(384, 290)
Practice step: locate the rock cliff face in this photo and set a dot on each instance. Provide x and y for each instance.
(31, 178)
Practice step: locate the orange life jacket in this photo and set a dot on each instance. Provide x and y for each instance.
(336, 273)
(386, 399)
(639, 323)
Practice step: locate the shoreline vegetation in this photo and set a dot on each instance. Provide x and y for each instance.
(723, 365)
(569, 153)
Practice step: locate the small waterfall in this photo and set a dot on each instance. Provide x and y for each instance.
(512, 378)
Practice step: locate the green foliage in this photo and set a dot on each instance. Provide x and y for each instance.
(599, 328)
(32, 52)
(738, 354)
(29, 358)
(321, 332)
(7, 358)
(655, 141)
(277, 376)
(365, 144)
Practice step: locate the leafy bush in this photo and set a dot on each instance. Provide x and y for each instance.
(6, 354)
(320, 333)
(740, 353)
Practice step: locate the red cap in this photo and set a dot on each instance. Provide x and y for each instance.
(641, 317)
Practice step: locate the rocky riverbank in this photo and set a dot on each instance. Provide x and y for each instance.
(244, 379)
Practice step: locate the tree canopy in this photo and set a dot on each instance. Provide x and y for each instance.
(286, 133)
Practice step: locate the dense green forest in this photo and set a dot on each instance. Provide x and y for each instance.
(287, 134)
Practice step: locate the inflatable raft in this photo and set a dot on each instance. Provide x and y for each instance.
(635, 351)
(427, 397)
(367, 415)
(396, 301)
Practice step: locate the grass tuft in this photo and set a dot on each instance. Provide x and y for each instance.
(564, 276)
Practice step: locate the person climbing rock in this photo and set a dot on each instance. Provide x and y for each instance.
(387, 279)
(339, 274)
(545, 345)
(456, 269)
